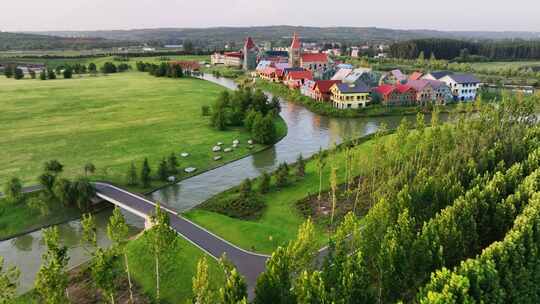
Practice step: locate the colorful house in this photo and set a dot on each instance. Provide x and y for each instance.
(393, 77)
(436, 75)
(424, 91)
(295, 79)
(322, 89)
(350, 96)
(442, 93)
(464, 87)
(396, 95)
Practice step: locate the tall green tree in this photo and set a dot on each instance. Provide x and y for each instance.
(172, 164)
(13, 190)
(300, 166)
(234, 291)
(19, 74)
(132, 175)
(65, 191)
(9, 280)
(52, 279)
(145, 174)
(118, 233)
(89, 235)
(85, 191)
(202, 293)
(104, 272)
(53, 167)
(163, 170)
(161, 238)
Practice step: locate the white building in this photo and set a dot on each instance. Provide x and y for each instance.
(464, 87)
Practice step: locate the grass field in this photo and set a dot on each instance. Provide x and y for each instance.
(281, 219)
(498, 65)
(99, 61)
(109, 121)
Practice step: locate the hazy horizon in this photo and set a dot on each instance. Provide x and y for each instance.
(84, 15)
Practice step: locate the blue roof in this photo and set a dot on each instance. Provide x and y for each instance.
(276, 54)
(358, 87)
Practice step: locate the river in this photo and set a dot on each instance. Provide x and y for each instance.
(307, 133)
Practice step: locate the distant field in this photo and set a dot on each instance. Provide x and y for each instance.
(110, 121)
(492, 66)
(100, 60)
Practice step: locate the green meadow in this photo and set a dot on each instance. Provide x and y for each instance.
(109, 121)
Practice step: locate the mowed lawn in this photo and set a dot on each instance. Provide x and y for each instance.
(281, 219)
(109, 121)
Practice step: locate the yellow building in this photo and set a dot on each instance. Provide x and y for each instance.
(350, 96)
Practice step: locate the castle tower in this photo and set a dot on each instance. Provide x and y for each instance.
(295, 51)
(250, 55)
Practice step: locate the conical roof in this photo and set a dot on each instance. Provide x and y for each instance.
(296, 44)
(249, 44)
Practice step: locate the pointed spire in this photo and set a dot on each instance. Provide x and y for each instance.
(249, 44)
(296, 42)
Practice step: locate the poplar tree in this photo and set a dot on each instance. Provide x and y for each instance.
(321, 163)
(300, 166)
(118, 233)
(161, 238)
(145, 174)
(9, 278)
(264, 186)
(132, 175)
(52, 279)
(202, 294)
(234, 291)
(103, 272)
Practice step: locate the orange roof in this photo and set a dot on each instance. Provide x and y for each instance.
(416, 76)
(402, 88)
(294, 75)
(296, 42)
(315, 57)
(325, 85)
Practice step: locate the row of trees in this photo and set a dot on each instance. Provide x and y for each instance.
(251, 109)
(450, 49)
(163, 69)
(67, 71)
(167, 167)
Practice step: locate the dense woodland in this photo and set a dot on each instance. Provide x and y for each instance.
(437, 196)
(18, 41)
(451, 49)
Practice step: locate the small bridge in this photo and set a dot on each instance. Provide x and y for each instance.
(249, 264)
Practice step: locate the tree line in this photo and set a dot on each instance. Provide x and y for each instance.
(451, 49)
(66, 71)
(163, 69)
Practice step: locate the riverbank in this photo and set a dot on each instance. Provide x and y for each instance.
(281, 218)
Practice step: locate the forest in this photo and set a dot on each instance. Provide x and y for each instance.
(466, 50)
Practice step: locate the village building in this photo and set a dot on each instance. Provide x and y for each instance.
(396, 95)
(230, 59)
(416, 76)
(464, 87)
(425, 94)
(295, 79)
(442, 93)
(393, 77)
(250, 53)
(341, 74)
(189, 66)
(295, 52)
(322, 89)
(436, 75)
(350, 96)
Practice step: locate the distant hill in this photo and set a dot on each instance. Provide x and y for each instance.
(24, 41)
(283, 33)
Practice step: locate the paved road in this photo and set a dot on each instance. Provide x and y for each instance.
(249, 264)
(27, 189)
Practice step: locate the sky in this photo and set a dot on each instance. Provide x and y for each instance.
(474, 15)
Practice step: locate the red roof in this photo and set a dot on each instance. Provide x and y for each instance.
(314, 57)
(249, 43)
(234, 54)
(268, 71)
(385, 90)
(187, 65)
(279, 72)
(402, 88)
(416, 76)
(296, 42)
(294, 75)
(325, 85)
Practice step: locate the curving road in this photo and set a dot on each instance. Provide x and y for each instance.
(249, 264)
